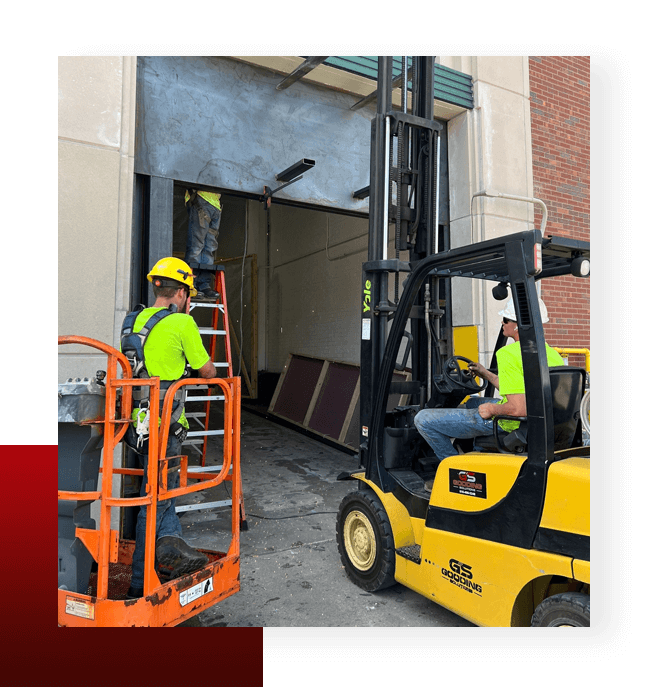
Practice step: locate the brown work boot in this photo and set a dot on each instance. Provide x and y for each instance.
(177, 558)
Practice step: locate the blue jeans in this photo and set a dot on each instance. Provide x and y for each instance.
(202, 233)
(167, 522)
(439, 426)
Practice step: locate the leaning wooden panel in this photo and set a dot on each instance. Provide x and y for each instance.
(334, 399)
(296, 388)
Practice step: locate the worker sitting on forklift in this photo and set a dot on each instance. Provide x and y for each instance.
(173, 341)
(439, 426)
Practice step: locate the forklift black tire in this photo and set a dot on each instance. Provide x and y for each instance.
(570, 609)
(365, 541)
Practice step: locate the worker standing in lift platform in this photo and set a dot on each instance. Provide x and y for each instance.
(159, 342)
(204, 211)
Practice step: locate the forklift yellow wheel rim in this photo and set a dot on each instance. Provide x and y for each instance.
(360, 542)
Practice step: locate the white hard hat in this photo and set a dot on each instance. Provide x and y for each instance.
(509, 311)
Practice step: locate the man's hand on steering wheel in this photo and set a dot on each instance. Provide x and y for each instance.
(464, 378)
(477, 370)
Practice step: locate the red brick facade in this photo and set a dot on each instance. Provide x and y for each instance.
(559, 109)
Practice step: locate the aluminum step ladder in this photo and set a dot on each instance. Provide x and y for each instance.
(205, 396)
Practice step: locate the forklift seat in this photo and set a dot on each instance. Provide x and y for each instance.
(567, 390)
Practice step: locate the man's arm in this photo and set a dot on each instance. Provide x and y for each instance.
(478, 370)
(515, 405)
(208, 371)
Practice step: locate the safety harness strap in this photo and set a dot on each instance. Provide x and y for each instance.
(132, 344)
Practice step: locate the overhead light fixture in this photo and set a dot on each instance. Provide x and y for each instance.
(362, 193)
(289, 176)
(292, 172)
(581, 267)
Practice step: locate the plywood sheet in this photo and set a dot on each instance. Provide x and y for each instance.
(297, 388)
(334, 399)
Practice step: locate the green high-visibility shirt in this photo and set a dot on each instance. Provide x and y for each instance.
(212, 198)
(173, 340)
(511, 375)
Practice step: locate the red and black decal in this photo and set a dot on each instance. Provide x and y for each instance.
(468, 483)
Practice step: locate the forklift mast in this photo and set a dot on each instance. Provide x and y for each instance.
(404, 164)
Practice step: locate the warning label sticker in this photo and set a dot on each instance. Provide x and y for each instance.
(80, 608)
(468, 483)
(195, 592)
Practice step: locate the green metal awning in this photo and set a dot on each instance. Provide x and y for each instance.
(451, 86)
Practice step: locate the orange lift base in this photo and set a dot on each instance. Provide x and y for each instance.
(165, 603)
(170, 604)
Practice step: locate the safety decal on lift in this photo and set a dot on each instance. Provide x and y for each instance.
(468, 483)
(79, 607)
(198, 590)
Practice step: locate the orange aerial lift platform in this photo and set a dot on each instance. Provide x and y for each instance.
(94, 594)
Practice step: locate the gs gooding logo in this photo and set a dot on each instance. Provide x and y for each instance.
(461, 575)
(468, 483)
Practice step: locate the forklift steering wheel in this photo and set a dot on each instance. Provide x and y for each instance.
(462, 378)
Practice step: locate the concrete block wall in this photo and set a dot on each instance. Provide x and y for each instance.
(95, 199)
(489, 149)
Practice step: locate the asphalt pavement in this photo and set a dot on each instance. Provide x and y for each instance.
(291, 571)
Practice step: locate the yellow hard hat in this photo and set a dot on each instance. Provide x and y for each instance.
(175, 269)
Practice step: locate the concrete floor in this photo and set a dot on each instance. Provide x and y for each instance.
(291, 572)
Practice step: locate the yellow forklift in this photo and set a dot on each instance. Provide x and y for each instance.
(502, 537)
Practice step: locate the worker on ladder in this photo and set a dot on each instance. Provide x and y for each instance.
(159, 342)
(204, 218)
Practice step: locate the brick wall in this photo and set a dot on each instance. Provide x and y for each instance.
(559, 106)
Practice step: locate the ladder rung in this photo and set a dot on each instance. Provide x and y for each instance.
(199, 304)
(204, 506)
(193, 442)
(194, 415)
(207, 433)
(192, 399)
(211, 331)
